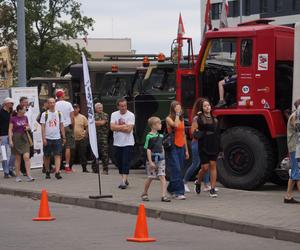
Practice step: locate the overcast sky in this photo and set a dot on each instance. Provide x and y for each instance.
(151, 24)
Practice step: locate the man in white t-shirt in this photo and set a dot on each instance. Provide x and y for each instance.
(52, 130)
(122, 123)
(67, 111)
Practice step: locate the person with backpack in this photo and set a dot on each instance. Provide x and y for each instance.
(53, 135)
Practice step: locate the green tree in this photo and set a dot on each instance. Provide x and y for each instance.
(48, 23)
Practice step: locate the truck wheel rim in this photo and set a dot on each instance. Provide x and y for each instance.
(240, 159)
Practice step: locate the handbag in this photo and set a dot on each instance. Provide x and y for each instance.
(198, 134)
(167, 140)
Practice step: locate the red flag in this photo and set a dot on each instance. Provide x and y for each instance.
(207, 18)
(181, 30)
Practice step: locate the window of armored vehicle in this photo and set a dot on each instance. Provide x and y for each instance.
(137, 84)
(161, 79)
(246, 53)
(114, 86)
(43, 91)
(222, 52)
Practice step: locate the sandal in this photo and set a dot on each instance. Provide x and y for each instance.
(145, 197)
(165, 199)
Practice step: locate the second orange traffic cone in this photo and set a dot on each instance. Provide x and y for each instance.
(44, 212)
(141, 228)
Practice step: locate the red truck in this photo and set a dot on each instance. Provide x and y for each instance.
(253, 122)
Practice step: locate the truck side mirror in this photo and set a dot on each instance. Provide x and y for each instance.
(188, 90)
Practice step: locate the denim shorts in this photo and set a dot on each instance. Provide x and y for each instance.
(295, 171)
(53, 147)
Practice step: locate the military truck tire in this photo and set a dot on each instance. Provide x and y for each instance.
(248, 159)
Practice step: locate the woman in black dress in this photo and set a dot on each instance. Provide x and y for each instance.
(208, 134)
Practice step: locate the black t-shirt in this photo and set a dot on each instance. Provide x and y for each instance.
(4, 122)
(154, 143)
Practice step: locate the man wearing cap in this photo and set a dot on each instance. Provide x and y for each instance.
(5, 114)
(68, 118)
(80, 135)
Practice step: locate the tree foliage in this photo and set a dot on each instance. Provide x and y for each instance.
(48, 23)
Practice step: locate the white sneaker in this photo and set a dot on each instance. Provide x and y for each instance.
(186, 188)
(18, 179)
(207, 188)
(180, 197)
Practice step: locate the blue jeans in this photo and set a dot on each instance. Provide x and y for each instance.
(123, 155)
(6, 165)
(175, 162)
(194, 167)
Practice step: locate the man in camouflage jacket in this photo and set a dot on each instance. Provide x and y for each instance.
(102, 127)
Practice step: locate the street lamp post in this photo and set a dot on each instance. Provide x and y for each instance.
(241, 11)
(21, 44)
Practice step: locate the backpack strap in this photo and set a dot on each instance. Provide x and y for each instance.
(47, 114)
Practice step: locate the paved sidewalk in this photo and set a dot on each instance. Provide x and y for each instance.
(260, 213)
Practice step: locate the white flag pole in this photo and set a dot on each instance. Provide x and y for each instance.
(91, 121)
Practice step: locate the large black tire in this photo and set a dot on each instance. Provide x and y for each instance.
(248, 158)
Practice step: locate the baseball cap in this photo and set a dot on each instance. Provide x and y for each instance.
(8, 100)
(59, 93)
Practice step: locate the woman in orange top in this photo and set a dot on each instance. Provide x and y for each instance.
(178, 152)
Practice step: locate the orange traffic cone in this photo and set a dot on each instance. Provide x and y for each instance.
(44, 212)
(141, 228)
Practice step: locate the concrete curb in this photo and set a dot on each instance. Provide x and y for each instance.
(192, 219)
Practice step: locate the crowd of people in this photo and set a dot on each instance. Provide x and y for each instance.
(65, 133)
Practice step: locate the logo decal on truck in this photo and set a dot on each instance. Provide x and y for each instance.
(245, 89)
(263, 62)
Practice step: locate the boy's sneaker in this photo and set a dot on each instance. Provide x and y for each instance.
(180, 197)
(58, 176)
(206, 188)
(18, 179)
(30, 178)
(48, 175)
(6, 176)
(197, 187)
(213, 193)
(165, 199)
(186, 188)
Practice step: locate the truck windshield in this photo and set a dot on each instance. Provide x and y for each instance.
(222, 52)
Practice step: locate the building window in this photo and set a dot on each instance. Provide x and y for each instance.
(233, 9)
(216, 10)
(296, 5)
(247, 7)
(278, 5)
(263, 6)
(246, 53)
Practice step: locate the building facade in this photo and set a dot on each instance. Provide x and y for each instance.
(284, 12)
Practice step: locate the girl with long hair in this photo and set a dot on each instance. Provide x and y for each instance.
(195, 152)
(178, 151)
(209, 146)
